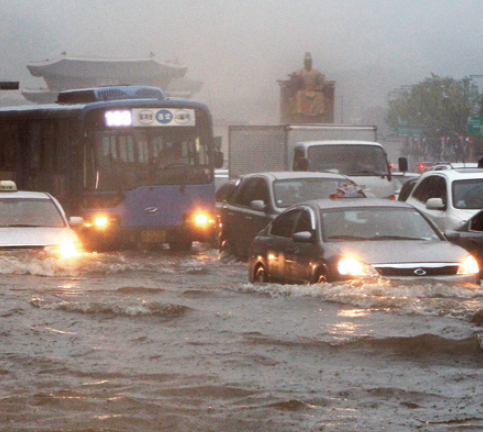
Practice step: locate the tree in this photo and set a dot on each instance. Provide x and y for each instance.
(438, 106)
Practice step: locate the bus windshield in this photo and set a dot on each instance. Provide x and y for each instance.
(130, 158)
(348, 159)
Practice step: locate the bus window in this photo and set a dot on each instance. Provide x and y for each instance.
(133, 158)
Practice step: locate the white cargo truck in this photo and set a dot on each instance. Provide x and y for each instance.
(351, 150)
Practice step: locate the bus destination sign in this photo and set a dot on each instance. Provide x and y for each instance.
(163, 117)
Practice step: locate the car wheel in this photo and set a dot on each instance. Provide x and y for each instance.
(226, 247)
(321, 277)
(260, 275)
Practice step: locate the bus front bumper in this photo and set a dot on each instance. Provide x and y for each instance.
(113, 235)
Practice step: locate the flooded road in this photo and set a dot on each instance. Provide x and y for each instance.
(156, 341)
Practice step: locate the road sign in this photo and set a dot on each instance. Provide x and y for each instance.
(404, 131)
(474, 125)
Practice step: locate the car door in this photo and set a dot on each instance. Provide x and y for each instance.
(280, 237)
(245, 221)
(299, 255)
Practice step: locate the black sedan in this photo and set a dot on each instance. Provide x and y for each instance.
(258, 198)
(333, 240)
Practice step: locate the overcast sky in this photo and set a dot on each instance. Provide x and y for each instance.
(239, 48)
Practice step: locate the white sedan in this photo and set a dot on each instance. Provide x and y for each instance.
(35, 221)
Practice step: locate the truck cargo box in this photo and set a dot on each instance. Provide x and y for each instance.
(258, 148)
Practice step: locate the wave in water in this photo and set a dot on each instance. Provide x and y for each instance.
(43, 264)
(462, 301)
(127, 308)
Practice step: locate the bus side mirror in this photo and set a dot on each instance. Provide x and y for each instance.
(218, 159)
(402, 164)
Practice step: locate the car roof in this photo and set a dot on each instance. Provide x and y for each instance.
(339, 142)
(24, 194)
(293, 175)
(325, 203)
(453, 165)
(455, 174)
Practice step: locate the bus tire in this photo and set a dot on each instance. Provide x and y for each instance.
(180, 245)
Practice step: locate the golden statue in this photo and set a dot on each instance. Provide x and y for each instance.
(307, 97)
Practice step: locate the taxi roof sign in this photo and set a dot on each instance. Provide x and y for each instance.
(348, 190)
(7, 186)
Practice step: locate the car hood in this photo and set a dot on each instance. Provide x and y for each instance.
(399, 252)
(35, 237)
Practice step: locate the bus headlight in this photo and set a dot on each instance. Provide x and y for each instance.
(468, 266)
(351, 266)
(99, 222)
(202, 220)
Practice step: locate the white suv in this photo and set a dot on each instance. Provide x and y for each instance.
(448, 197)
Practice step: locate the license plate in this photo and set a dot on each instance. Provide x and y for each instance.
(153, 236)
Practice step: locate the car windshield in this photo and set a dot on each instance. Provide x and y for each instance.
(468, 194)
(16, 213)
(375, 223)
(348, 159)
(293, 191)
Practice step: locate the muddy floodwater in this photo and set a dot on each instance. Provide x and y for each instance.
(156, 341)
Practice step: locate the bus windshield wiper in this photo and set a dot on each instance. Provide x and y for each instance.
(18, 225)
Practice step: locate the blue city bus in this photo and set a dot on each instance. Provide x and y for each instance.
(136, 165)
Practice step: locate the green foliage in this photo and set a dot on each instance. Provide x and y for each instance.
(439, 106)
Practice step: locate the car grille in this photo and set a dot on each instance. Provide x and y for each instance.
(414, 270)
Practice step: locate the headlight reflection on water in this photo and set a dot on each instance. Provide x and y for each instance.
(353, 313)
(349, 327)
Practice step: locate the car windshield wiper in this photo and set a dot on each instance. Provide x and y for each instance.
(22, 226)
(368, 172)
(393, 237)
(346, 237)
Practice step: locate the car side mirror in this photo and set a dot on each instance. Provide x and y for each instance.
(76, 221)
(302, 237)
(402, 164)
(218, 158)
(435, 204)
(258, 205)
(452, 235)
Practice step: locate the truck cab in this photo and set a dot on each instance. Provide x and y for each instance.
(364, 162)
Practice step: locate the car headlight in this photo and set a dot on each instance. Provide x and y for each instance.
(351, 266)
(66, 249)
(468, 266)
